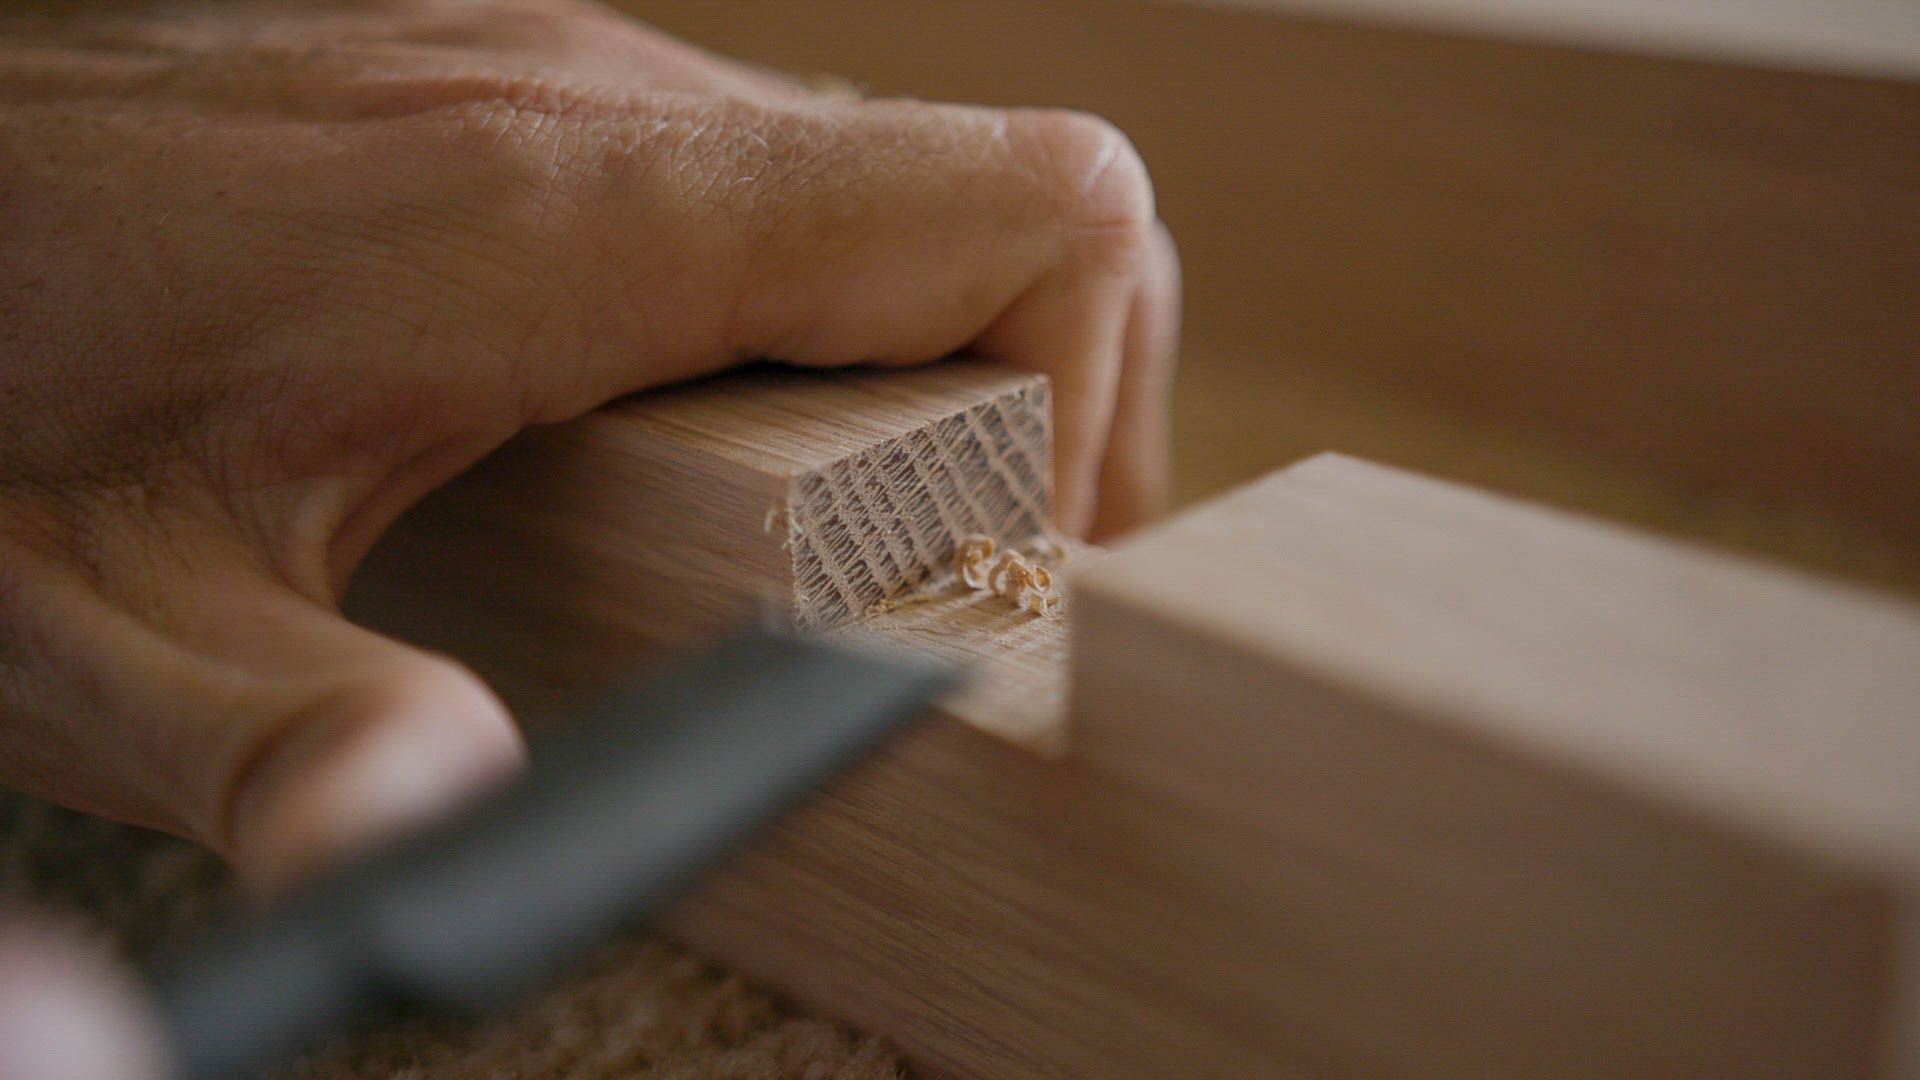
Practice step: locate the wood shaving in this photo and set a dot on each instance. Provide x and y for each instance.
(970, 562)
(979, 564)
(1025, 583)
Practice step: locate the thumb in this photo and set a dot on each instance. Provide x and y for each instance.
(379, 739)
(227, 707)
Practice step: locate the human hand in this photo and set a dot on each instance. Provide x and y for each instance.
(268, 275)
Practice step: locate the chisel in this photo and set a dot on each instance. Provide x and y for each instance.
(616, 814)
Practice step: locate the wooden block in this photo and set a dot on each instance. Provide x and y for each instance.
(1369, 776)
(1536, 797)
(668, 515)
(1374, 776)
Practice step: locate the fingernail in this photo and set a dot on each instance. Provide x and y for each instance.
(323, 798)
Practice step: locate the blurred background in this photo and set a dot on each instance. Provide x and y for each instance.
(1654, 259)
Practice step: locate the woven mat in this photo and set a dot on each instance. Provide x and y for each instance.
(640, 1007)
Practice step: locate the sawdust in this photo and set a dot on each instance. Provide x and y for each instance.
(639, 1007)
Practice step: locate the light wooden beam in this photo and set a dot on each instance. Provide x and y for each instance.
(1375, 776)
(1537, 797)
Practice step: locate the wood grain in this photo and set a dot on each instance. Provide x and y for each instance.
(666, 516)
(1576, 802)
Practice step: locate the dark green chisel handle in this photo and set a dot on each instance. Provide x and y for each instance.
(617, 812)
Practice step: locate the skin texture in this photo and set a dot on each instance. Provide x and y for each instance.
(270, 274)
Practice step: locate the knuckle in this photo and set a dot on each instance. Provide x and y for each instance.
(425, 684)
(1094, 175)
(518, 129)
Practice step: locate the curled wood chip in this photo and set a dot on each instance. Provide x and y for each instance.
(972, 561)
(1024, 583)
(1010, 574)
